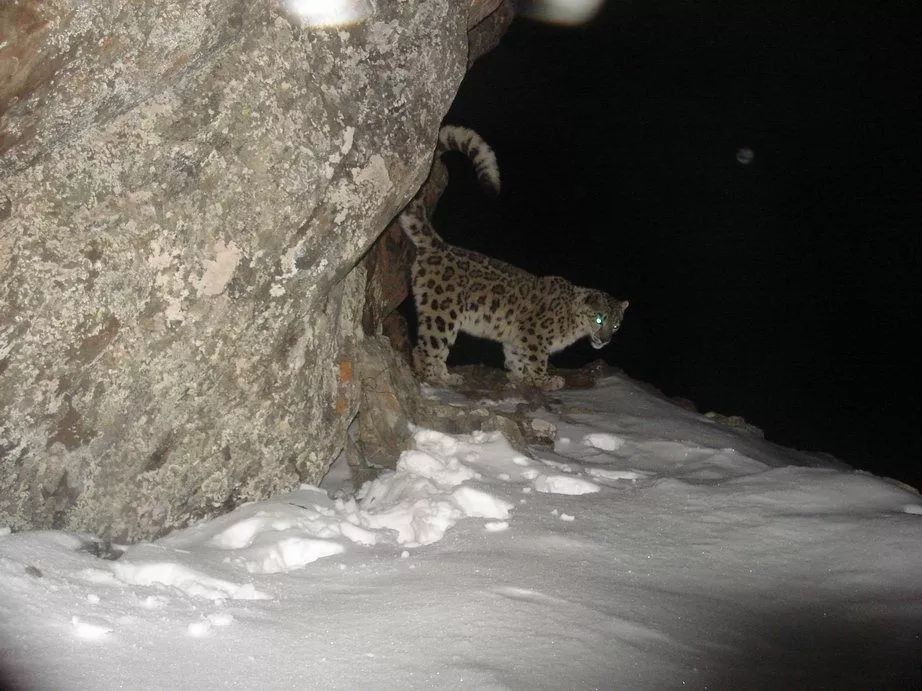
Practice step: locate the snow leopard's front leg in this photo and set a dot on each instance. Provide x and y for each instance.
(530, 367)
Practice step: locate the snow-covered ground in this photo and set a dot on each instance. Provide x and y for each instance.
(652, 548)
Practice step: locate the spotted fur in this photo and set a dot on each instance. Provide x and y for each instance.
(459, 290)
(472, 145)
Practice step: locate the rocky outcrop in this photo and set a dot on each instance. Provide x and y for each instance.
(185, 191)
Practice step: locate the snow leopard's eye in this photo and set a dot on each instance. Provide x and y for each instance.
(599, 318)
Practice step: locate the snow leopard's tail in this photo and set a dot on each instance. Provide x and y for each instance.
(472, 145)
(416, 225)
(413, 220)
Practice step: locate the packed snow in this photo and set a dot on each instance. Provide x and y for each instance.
(650, 548)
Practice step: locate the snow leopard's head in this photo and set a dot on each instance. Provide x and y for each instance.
(601, 316)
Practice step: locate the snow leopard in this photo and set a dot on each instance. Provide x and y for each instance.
(456, 289)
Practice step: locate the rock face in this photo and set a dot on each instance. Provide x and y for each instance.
(186, 189)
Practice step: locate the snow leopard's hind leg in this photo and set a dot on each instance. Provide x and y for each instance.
(431, 351)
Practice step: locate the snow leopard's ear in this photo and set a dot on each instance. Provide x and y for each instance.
(624, 305)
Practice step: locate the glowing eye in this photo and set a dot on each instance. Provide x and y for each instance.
(599, 318)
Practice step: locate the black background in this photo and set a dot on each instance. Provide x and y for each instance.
(784, 291)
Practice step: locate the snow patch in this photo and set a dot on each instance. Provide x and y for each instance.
(221, 618)
(606, 474)
(242, 534)
(153, 602)
(564, 484)
(445, 473)
(199, 629)
(189, 581)
(415, 522)
(89, 630)
(443, 445)
(603, 441)
(424, 496)
(289, 554)
(477, 504)
(358, 535)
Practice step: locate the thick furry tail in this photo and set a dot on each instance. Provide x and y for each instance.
(472, 145)
(416, 225)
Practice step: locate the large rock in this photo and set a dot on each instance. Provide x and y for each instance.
(185, 190)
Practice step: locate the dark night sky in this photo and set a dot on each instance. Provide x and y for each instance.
(785, 291)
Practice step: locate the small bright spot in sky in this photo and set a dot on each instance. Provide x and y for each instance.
(326, 13)
(560, 11)
(744, 155)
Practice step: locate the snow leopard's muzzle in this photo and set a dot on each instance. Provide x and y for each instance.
(598, 343)
(603, 335)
